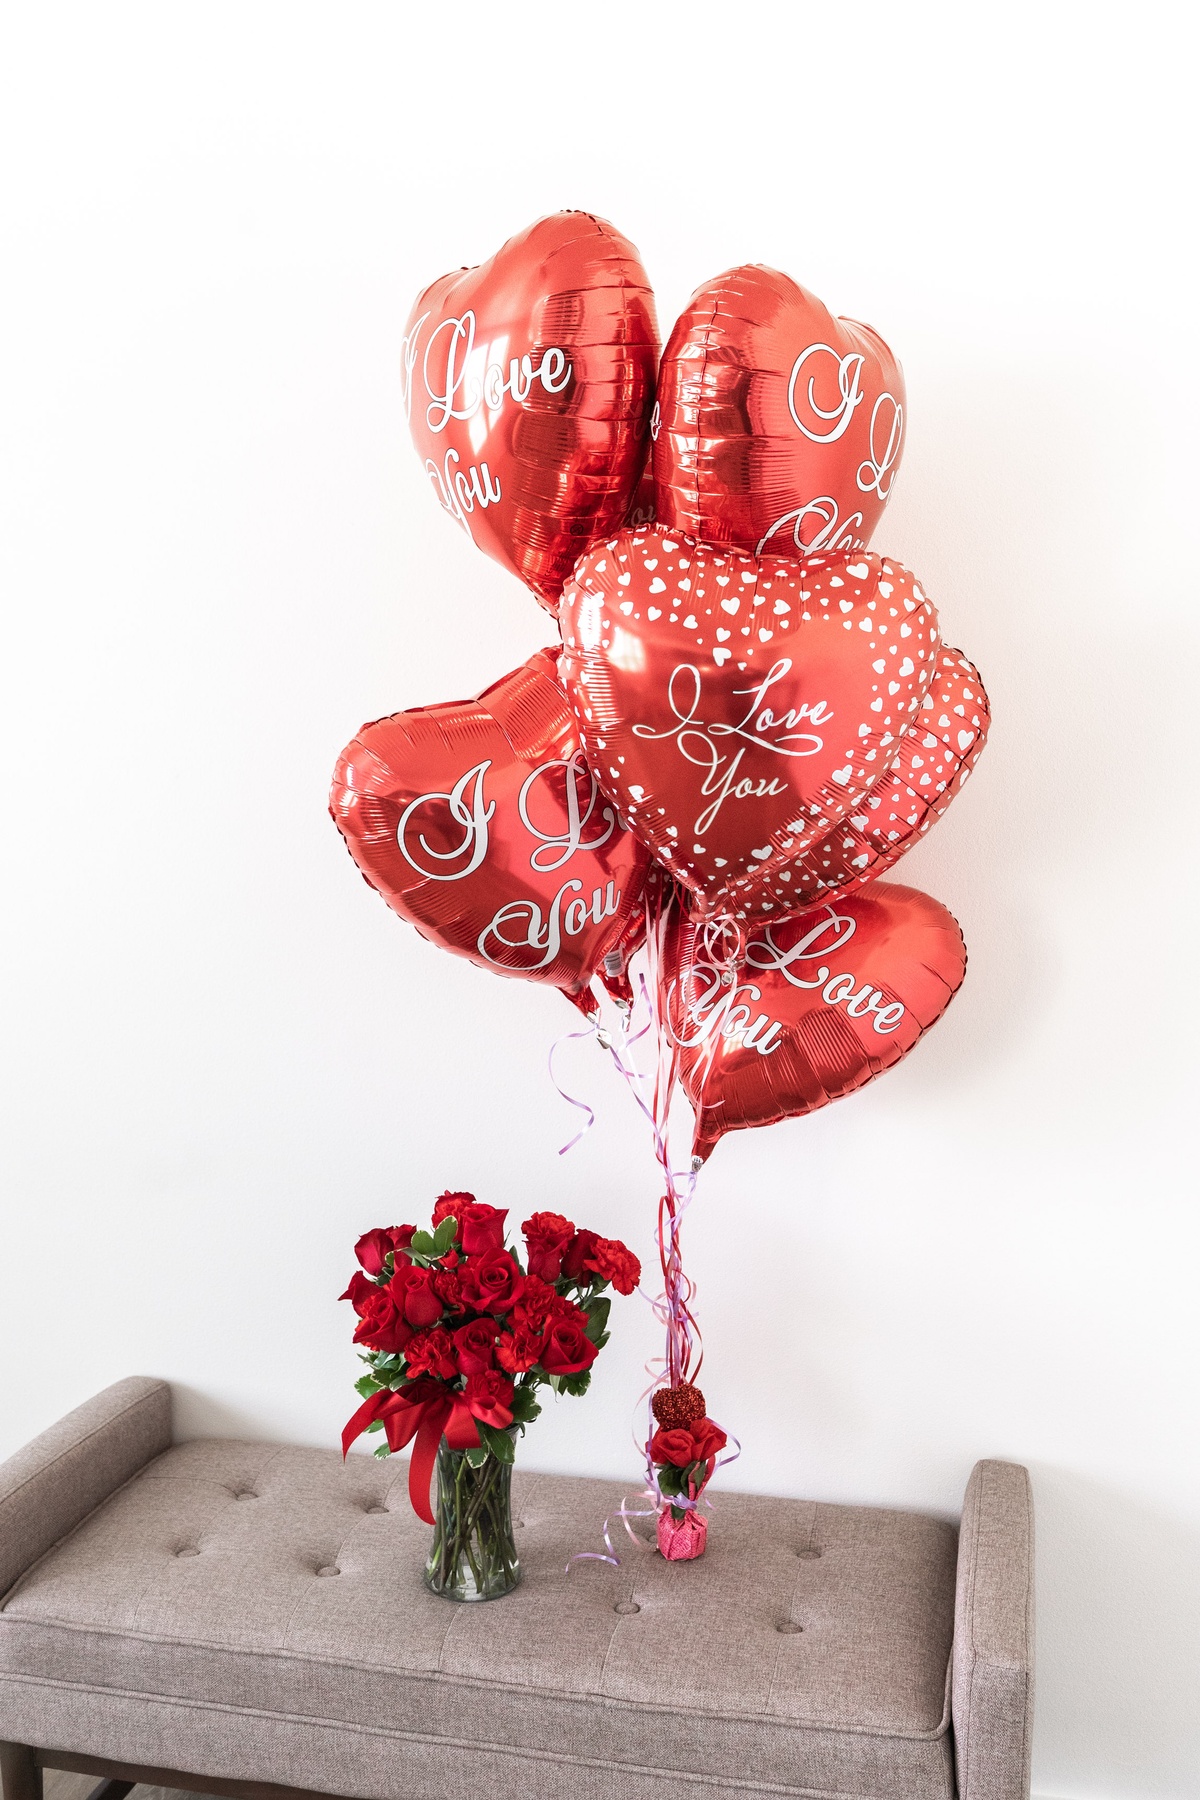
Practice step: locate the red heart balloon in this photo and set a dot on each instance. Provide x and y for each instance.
(825, 1001)
(479, 822)
(935, 759)
(777, 427)
(528, 383)
(736, 707)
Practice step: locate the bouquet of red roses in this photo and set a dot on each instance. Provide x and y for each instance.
(458, 1336)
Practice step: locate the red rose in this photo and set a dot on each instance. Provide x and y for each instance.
(373, 1246)
(708, 1438)
(359, 1292)
(567, 1350)
(547, 1235)
(674, 1447)
(431, 1353)
(519, 1349)
(381, 1324)
(698, 1442)
(481, 1229)
(613, 1262)
(451, 1203)
(575, 1256)
(489, 1396)
(416, 1295)
(491, 1283)
(474, 1345)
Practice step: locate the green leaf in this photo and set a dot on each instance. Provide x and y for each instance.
(477, 1456)
(445, 1235)
(375, 1425)
(574, 1384)
(671, 1480)
(597, 1311)
(498, 1442)
(383, 1450)
(366, 1385)
(525, 1408)
(421, 1248)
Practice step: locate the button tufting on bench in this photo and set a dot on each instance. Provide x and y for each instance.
(188, 1550)
(627, 1606)
(808, 1555)
(375, 1509)
(789, 1627)
(328, 1569)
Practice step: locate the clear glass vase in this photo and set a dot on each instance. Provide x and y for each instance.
(473, 1556)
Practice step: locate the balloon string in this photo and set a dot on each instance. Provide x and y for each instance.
(590, 1030)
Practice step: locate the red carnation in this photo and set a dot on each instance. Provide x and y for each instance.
(481, 1229)
(474, 1345)
(451, 1203)
(547, 1235)
(373, 1246)
(567, 1349)
(431, 1353)
(381, 1324)
(491, 1283)
(539, 1303)
(489, 1396)
(575, 1256)
(613, 1262)
(447, 1285)
(519, 1349)
(416, 1295)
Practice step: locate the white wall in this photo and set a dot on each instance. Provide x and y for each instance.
(226, 1057)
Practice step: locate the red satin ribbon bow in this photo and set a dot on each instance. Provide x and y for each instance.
(423, 1410)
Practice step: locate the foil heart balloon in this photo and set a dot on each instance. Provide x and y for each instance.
(825, 1001)
(528, 383)
(479, 822)
(778, 427)
(736, 707)
(935, 759)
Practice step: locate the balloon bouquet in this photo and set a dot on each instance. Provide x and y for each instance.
(748, 719)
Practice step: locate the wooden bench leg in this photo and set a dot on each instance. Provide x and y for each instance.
(110, 1790)
(19, 1772)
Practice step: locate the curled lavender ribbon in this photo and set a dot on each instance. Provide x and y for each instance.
(592, 1029)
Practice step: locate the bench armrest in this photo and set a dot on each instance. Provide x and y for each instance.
(992, 1679)
(63, 1475)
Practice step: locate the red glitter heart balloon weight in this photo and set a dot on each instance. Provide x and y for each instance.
(735, 707)
(825, 1001)
(479, 822)
(778, 427)
(528, 383)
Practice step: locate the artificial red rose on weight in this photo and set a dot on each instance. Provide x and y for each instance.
(491, 1283)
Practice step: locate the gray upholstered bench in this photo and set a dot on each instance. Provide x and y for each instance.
(220, 1616)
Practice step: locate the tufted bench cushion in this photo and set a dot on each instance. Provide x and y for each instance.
(252, 1609)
